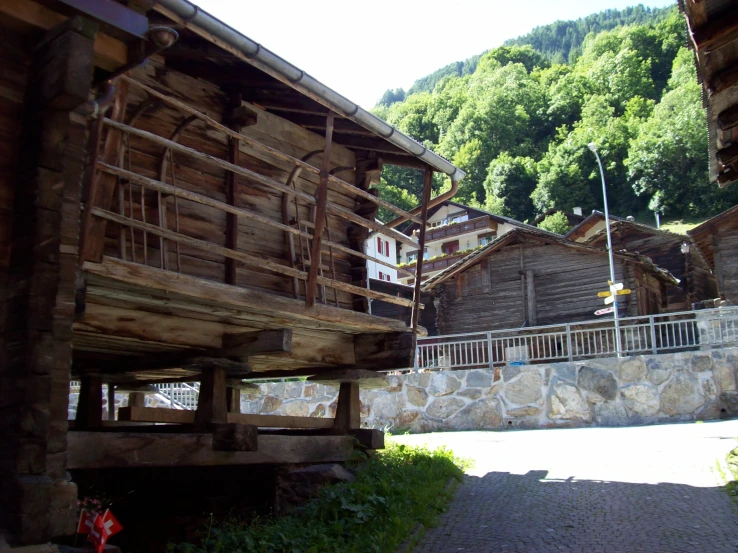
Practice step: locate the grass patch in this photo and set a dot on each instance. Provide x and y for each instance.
(394, 490)
(681, 226)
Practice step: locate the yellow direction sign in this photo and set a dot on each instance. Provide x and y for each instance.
(605, 294)
(624, 292)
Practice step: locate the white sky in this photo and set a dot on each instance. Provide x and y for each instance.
(360, 49)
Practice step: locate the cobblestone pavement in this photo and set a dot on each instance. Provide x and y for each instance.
(594, 490)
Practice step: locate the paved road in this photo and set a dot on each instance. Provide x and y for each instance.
(595, 490)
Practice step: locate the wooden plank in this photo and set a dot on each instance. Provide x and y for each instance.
(716, 33)
(243, 257)
(97, 450)
(262, 342)
(321, 201)
(211, 404)
(348, 409)
(427, 189)
(234, 297)
(531, 292)
(110, 53)
(161, 415)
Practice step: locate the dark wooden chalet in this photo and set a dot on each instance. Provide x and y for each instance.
(177, 203)
(589, 226)
(382, 308)
(670, 251)
(533, 278)
(713, 26)
(717, 240)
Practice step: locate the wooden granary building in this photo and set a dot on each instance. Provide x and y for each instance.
(177, 203)
(717, 240)
(668, 250)
(531, 278)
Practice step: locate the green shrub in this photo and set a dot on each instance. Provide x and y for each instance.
(394, 490)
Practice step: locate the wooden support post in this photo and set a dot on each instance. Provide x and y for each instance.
(348, 410)
(89, 404)
(261, 342)
(111, 401)
(211, 405)
(321, 199)
(233, 400)
(427, 187)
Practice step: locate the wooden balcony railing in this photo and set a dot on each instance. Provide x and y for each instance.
(479, 224)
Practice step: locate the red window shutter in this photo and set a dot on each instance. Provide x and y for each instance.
(388, 278)
(386, 248)
(381, 275)
(379, 245)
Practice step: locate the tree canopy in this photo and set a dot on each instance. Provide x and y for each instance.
(518, 120)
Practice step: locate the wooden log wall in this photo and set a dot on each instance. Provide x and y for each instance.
(210, 224)
(38, 500)
(664, 249)
(726, 252)
(495, 295)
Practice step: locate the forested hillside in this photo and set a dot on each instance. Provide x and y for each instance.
(519, 123)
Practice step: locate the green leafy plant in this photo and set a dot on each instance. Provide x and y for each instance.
(394, 490)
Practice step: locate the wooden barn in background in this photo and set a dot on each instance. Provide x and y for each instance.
(178, 203)
(717, 240)
(670, 251)
(535, 278)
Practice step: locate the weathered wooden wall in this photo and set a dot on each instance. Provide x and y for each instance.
(664, 249)
(207, 223)
(533, 284)
(725, 244)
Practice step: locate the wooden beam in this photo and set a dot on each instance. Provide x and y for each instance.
(728, 118)
(196, 288)
(234, 436)
(720, 31)
(368, 437)
(531, 293)
(262, 342)
(180, 416)
(321, 203)
(427, 188)
(386, 351)
(365, 378)
(189, 360)
(233, 399)
(89, 403)
(348, 409)
(102, 187)
(110, 53)
(722, 80)
(211, 404)
(98, 450)
(728, 155)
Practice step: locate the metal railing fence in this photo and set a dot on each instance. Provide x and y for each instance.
(652, 334)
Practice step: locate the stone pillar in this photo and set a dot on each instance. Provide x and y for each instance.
(38, 501)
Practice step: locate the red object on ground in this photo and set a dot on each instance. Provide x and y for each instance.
(99, 528)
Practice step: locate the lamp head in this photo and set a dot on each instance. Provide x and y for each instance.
(592, 147)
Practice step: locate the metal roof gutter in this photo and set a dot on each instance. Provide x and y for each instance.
(194, 18)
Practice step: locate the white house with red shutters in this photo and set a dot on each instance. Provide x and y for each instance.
(384, 248)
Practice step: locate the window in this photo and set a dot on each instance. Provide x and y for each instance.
(388, 277)
(412, 256)
(386, 248)
(425, 253)
(485, 239)
(460, 218)
(381, 275)
(379, 246)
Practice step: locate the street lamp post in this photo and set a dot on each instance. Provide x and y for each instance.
(618, 345)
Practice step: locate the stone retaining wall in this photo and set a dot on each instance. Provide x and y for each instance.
(600, 392)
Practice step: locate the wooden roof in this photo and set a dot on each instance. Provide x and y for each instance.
(713, 26)
(519, 235)
(588, 222)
